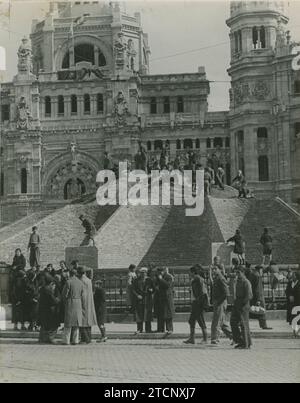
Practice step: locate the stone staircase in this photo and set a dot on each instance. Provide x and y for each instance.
(127, 236)
(284, 227)
(23, 224)
(251, 216)
(184, 241)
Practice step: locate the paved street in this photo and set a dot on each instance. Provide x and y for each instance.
(149, 361)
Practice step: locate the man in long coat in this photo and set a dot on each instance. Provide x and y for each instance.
(73, 295)
(89, 318)
(164, 301)
(142, 290)
(239, 320)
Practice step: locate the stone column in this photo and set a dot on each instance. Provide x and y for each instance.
(54, 107)
(80, 105)
(96, 53)
(67, 106)
(250, 154)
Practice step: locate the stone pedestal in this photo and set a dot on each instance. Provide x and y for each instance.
(86, 256)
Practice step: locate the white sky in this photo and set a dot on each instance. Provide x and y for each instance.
(173, 27)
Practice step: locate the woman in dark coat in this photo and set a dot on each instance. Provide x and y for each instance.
(18, 300)
(31, 300)
(293, 295)
(48, 311)
(19, 261)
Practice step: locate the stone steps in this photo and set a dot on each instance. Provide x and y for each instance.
(128, 235)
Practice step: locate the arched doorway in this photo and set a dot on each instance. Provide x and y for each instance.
(74, 188)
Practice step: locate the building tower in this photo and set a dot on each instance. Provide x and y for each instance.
(260, 133)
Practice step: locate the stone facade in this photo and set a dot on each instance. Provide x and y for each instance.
(83, 87)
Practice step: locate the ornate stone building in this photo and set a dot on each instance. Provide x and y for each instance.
(83, 87)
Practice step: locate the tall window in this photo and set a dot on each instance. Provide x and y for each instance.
(166, 105)
(100, 103)
(87, 104)
(208, 143)
(47, 106)
(2, 184)
(178, 144)
(23, 180)
(197, 144)
(263, 168)
(255, 37)
(5, 113)
(262, 133)
(297, 87)
(61, 105)
(297, 129)
(238, 42)
(180, 105)
(149, 145)
(153, 106)
(227, 142)
(262, 37)
(73, 104)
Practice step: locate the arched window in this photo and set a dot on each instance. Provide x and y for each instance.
(180, 105)
(263, 168)
(166, 105)
(2, 184)
(255, 37)
(47, 106)
(153, 106)
(197, 144)
(101, 59)
(262, 133)
(262, 37)
(178, 144)
(149, 145)
(73, 104)
(23, 180)
(87, 104)
(100, 103)
(187, 144)
(208, 143)
(66, 61)
(61, 105)
(85, 53)
(158, 145)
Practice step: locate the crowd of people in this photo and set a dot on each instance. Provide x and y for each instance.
(67, 299)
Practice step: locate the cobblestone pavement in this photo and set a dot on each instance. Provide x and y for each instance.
(134, 361)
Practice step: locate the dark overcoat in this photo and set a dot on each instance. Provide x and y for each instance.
(293, 292)
(100, 305)
(48, 308)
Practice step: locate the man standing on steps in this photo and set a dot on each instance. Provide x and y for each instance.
(239, 320)
(34, 249)
(90, 231)
(199, 304)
